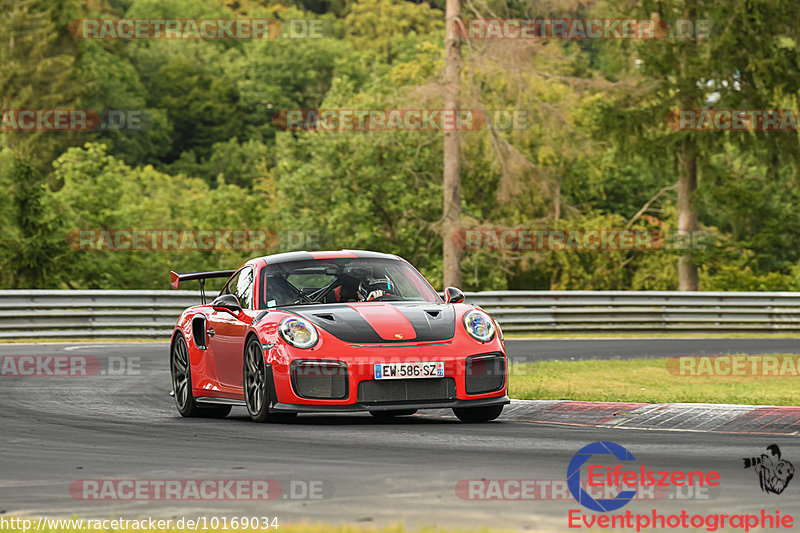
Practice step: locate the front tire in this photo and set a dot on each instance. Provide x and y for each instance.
(257, 395)
(181, 372)
(478, 414)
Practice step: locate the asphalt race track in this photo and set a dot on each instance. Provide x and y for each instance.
(121, 424)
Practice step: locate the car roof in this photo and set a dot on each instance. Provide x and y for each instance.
(287, 257)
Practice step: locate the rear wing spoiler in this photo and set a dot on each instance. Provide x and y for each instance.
(199, 276)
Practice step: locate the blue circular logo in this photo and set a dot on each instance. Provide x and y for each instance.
(574, 476)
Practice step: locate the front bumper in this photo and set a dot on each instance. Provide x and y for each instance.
(361, 392)
(386, 406)
(358, 391)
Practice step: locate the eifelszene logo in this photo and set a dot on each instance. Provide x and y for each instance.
(618, 477)
(574, 477)
(774, 473)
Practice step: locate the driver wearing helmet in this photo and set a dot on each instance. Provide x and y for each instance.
(372, 288)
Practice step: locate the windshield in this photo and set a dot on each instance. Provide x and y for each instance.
(316, 281)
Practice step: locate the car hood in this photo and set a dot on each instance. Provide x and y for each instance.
(381, 322)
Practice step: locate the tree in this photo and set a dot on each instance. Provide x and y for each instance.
(101, 192)
(375, 26)
(112, 83)
(377, 191)
(277, 75)
(201, 106)
(37, 71)
(34, 248)
(750, 68)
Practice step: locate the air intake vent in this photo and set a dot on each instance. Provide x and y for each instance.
(485, 373)
(407, 390)
(323, 380)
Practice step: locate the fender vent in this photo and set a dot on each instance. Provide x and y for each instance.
(199, 331)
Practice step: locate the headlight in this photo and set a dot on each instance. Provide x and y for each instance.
(479, 325)
(298, 332)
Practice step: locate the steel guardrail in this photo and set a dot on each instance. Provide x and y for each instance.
(142, 314)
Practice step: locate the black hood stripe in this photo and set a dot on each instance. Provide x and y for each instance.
(431, 322)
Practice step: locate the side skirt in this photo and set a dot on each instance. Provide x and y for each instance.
(219, 401)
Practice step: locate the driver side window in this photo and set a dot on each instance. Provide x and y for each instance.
(280, 292)
(241, 286)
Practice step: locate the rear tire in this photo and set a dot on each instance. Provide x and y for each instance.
(257, 395)
(388, 415)
(478, 414)
(181, 372)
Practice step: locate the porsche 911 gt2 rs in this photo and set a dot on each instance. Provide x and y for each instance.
(336, 331)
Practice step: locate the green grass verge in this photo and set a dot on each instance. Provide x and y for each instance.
(646, 381)
(642, 335)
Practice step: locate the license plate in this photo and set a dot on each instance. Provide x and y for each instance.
(409, 370)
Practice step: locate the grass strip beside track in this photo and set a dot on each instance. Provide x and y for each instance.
(565, 335)
(645, 381)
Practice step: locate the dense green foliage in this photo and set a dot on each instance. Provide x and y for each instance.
(596, 149)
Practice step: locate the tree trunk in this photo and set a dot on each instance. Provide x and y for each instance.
(687, 174)
(452, 149)
(687, 217)
(556, 218)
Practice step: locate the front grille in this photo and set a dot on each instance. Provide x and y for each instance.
(320, 380)
(485, 373)
(407, 390)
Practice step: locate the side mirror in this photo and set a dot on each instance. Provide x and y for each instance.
(453, 295)
(227, 302)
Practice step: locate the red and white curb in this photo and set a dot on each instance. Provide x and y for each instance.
(699, 417)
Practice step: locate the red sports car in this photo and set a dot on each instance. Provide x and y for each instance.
(338, 331)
